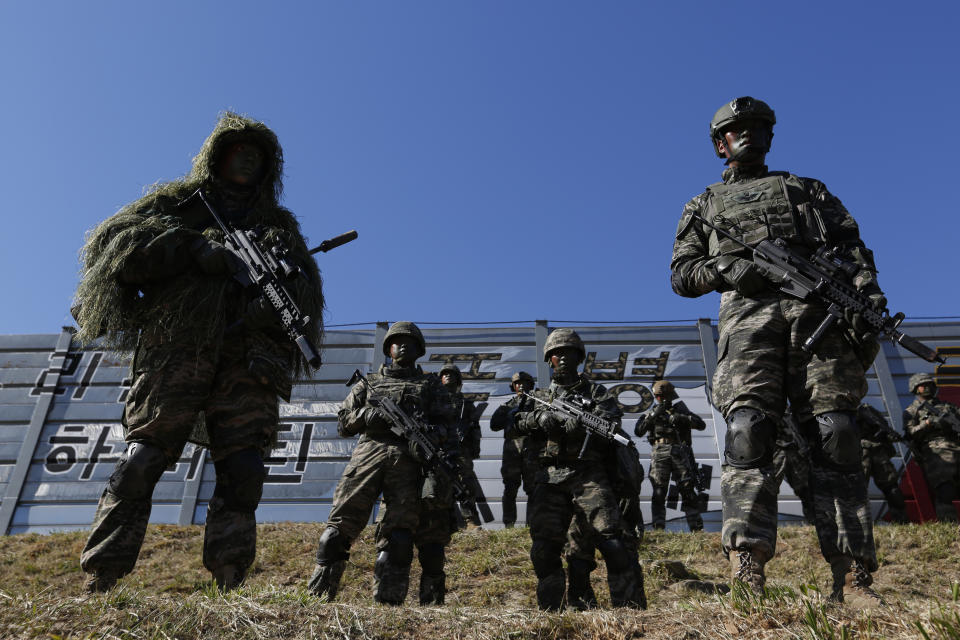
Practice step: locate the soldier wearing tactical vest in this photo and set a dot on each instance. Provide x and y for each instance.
(469, 435)
(761, 362)
(667, 428)
(518, 464)
(382, 462)
(932, 427)
(876, 445)
(570, 486)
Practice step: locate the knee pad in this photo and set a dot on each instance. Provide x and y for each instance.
(399, 547)
(138, 471)
(333, 547)
(432, 557)
(839, 441)
(615, 554)
(545, 556)
(240, 479)
(659, 494)
(750, 438)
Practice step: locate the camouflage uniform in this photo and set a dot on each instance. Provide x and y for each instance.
(469, 436)
(198, 373)
(761, 363)
(569, 487)
(876, 445)
(668, 431)
(518, 465)
(382, 462)
(932, 427)
(791, 461)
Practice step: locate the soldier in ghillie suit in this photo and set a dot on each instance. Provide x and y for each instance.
(761, 360)
(932, 427)
(667, 428)
(573, 487)
(791, 462)
(518, 465)
(876, 446)
(210, 358)
(382, 462)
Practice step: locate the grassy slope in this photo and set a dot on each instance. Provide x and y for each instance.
(491, 592)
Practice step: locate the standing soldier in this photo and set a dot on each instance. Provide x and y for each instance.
(211, 358)
(468, 436)
(516, 466)
(668, 430)
(876, 445)
(761, 361)
(932, 427)
(574, 486)
(382, 462)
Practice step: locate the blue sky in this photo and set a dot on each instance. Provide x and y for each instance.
(501, 160)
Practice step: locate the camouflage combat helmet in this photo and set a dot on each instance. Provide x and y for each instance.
(404, 329)
(739, 109)
(451, 368)
(918, 379)
(666, 389)
(521, 376)
(563, 338)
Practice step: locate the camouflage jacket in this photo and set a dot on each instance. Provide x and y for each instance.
(802, 212)
(467, 425)
(932, 423)
(503, 420)
(875, 433)
(420, 395)
(673, 423)
(560, 454)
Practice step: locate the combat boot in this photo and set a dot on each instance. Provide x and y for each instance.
(433, 588)
(391, 581)
(550, 591)
(325, 581)
(856, 582)
(747, 567)
(580, 594)
(102, 580)
(228, 577)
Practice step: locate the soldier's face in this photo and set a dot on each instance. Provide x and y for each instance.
(403, 350)
(523, 386)
(745, 141)
(659, 398)
(926, 390)
(449, 380)
(565, 360)
(242, 163)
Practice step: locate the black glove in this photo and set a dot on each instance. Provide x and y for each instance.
(375, 419)
(743, 275)
(215, 259)
(855, 320)
(261, 315)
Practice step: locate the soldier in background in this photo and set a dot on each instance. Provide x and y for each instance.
(791, 462)
(210, 358)
(382, 462)
(469, 435)
(517, 467)
(571, 486)
(932, 427)
(876, 445)
(761, 360)
(667, 428)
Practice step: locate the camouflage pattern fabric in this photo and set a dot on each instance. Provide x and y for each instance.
(876, 449)
(791, 462)
(932, 427)
(760, 360)
(518, 466)
(667, 460)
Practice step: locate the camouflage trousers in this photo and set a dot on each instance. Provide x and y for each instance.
(581, 544)
(517, 469)
(761, 364)
(171, 387)
(375, 468)
(790, 465)
(667, 460)
(941, 467)
(877, 465)
(588, 495)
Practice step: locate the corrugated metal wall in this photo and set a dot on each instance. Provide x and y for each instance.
(60, 410)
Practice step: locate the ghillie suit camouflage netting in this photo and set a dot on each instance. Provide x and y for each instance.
(191, 306)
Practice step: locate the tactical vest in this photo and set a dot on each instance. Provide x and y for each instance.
(761, 209)
(411, 394)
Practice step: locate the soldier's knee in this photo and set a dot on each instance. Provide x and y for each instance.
(839, 441)
(944, 492)
(240, 479)
(138, 471)
(659, 493)
(545, 556)
(333, 547)
(399, 547)
(750, 439)
(432, 557)
(615, 554)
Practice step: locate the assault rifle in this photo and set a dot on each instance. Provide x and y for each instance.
(434, 457)
(578, 408)
(827, 278)
(267, 270)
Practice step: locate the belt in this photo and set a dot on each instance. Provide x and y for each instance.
(665, 441)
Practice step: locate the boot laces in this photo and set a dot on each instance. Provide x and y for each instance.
(749, 571)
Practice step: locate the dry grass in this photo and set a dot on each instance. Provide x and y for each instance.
(491, 592)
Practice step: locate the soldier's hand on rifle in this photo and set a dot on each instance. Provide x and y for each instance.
(743, 275)
(213, 258)
(260, 315)
(374, 418)
(855, 320)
